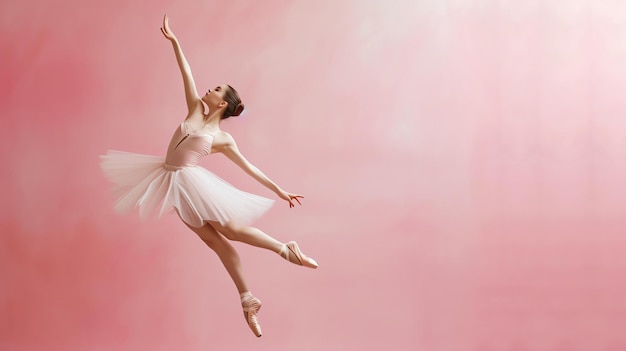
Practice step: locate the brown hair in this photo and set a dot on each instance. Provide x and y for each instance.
(235, 106)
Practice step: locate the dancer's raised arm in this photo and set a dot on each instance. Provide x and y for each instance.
(191, 94)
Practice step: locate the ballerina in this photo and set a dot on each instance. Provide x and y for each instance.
(215, 210)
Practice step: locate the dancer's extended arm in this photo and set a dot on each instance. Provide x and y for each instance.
(229, 148)
(191, 94)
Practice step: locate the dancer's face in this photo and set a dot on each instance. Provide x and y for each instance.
(216, 96)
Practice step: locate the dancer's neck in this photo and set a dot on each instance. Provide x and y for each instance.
(212, 118)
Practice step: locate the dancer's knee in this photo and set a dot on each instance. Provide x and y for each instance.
(231, 231)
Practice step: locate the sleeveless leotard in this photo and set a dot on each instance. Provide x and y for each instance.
(187, 147)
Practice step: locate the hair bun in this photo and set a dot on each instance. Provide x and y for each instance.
(238, 109)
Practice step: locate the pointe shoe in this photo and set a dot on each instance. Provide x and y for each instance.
(251, 307)
(291, 252)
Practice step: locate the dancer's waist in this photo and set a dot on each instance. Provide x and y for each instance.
(169, 167)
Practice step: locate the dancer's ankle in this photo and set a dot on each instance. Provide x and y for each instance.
(245, 295)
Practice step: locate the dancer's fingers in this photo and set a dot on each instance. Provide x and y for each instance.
(297, 198)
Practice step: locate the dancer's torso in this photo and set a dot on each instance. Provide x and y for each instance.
(187, 147)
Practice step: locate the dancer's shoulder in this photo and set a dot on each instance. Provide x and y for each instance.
(222, 139)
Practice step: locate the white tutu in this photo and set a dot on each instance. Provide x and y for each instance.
(197, 195)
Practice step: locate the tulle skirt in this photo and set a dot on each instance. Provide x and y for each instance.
(197, 195)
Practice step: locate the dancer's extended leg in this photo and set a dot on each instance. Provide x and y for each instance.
(249, 235)
(256, 237)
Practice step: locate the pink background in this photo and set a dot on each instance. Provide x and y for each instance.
(462, 162)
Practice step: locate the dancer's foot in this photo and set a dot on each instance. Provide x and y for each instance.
(291, 252)
(251, 306)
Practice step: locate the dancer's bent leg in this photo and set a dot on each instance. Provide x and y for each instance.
(231, 261)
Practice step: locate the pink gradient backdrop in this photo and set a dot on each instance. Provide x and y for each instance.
(462, 162)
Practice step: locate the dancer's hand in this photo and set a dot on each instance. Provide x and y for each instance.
(166, 29)
(290, 198)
